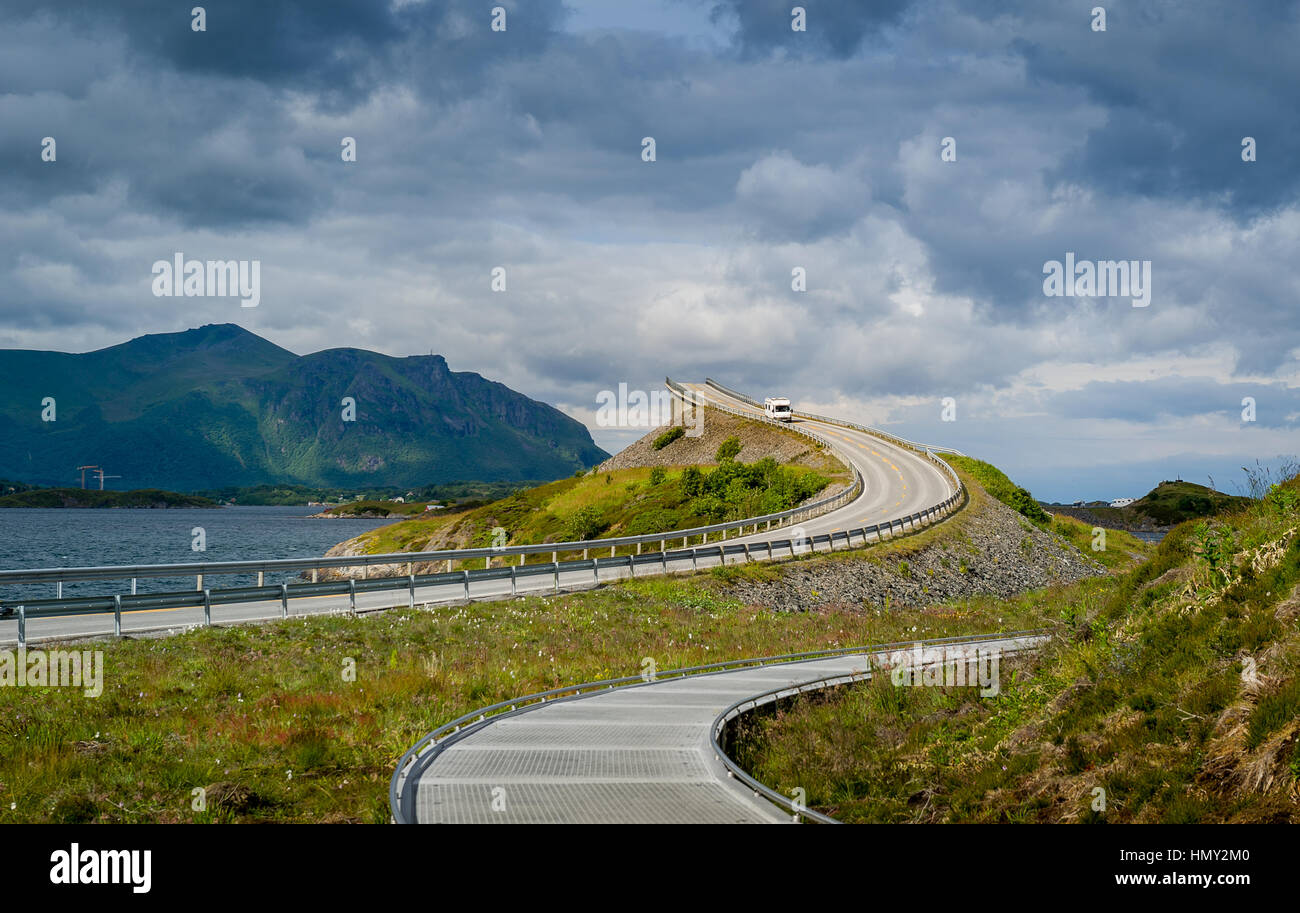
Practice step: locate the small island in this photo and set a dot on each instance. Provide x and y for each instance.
(1159, 510)
(84, 497)
(377, 510)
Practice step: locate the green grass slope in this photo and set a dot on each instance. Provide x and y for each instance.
(1170, 693)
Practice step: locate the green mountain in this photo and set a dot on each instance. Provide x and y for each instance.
(220, 406)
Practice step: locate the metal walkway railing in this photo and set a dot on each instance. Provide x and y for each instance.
(402, 785)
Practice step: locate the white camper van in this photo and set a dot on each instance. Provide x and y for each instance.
(778, 407)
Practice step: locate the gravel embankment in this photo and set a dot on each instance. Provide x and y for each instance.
(988, 550)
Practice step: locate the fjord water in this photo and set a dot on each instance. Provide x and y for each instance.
(39, 537)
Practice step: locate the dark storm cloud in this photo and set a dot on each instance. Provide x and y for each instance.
(1182, 84)
(836, 28)
(197, 125)
(339, 50)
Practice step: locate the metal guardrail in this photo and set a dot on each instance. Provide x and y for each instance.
(929, 452)
(836, 421)
(207, 597)
(768, 549)
(401, 786)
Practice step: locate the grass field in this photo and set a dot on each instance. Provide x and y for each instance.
(304, 720)
(262, 718)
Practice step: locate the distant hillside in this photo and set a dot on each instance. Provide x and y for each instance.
(1166, 505)
(219, 406)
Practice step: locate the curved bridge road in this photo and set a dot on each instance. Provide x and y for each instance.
(897, 482)
(640, 754)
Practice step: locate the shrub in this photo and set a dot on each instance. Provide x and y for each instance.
(692, 481)
(1282, 501)
(586, 523)
(728, 450)
(668, 437)
(1022, 501)
(657, 475)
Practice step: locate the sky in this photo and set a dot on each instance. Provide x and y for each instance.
(924, 309)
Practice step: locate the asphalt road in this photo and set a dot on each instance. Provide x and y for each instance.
(897, 482)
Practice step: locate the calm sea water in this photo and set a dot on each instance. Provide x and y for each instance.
(38, 537)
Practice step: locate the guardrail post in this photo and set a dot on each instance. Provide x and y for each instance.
(411, 580)
(58, 590)
(117, 615)
(555, 557)
(207, 608)
(466, 573)
(22, 626)
(261, 578)
(514, 591)
(611, 551)
(521, 557)
(284, 600)
(557, 577)
(132, 586)
(448, 565)
(747, 558)
(694, 565)
(595, 568)
(487, 562)
(352, 594)
(584, 554)
(315, 575)
(198, 581)
(638, 548)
